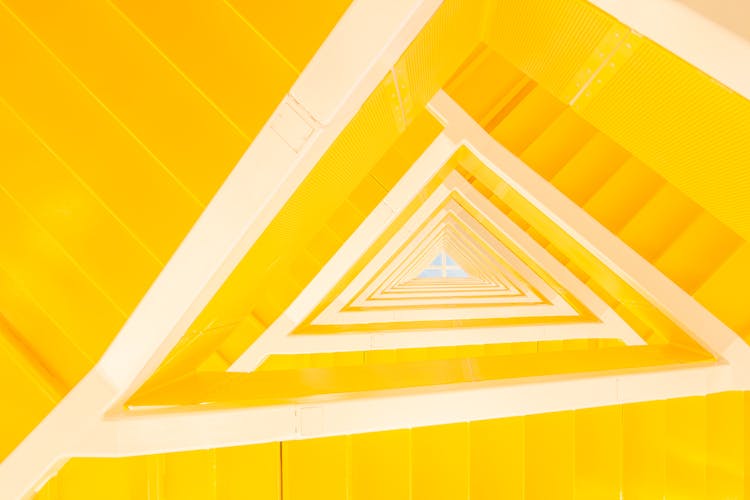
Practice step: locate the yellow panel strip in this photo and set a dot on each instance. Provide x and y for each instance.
(169, 61)
(106, 108)
(262, 37)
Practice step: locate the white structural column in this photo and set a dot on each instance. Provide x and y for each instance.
(363, 46)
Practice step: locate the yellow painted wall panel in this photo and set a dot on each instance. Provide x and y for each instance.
(296, 28)
(157, 104)
(697, 252)
(283, 289)
(550, 456)
(724, 294)
(548, 40)
(725, 421)
(406, 355)
(527, 121)
(50, 491)
(215, 362)
(698, 444)
(497, 459)
(416, 354)
(380, 356)
(25, 396)
(598, 451)
(56, 351)
(686, 448)
(190, 474)
(285, 362)
(485, 81)
(234, 345)
(440, 48)
(324, 244)
(368, 194)
(687, 127)
(349, 358)
(315, 468)
(440, 462)
(550, 346)
(345, 220)
(554, 147)
(33, 258)
(585, 173)
(304, 267)
(52, 196)
(92, 142)
(623, 194)
(659, 222)
(194, 350)
(644, 450)
(218, 51)
(405, 150)
(580, 344)
(380, 466)
(324, 359)
(249, 472)
(98, 478)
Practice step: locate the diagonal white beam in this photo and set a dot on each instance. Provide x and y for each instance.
(388, 410)
(678, 305)
(335, 314)
(176, 429)
(363, 46)
(609, 326)
(499, 266)
(426, 166)
(707, 45)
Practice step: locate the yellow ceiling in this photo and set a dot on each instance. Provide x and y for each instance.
(119, 121)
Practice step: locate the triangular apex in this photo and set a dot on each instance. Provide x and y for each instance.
(401, 237)
(489, 273)
(511, 281)
(501, 282)
(443, 266)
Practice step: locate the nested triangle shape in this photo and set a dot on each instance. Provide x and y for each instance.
(519, 283)
(436, 207)
(516, 291)
(443, 265)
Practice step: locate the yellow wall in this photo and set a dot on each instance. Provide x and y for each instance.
(689, 448)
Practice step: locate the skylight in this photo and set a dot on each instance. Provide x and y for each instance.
(443, 266)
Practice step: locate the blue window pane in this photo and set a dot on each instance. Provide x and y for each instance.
(431, 273)
(456, 273)
(449, 261)
(438, 261)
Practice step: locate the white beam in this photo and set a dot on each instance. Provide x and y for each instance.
(388, 410)
(711, 47)
(657, 289)
(442, 337)
(277, 338)
(301, 129)
(427, 165)
(175, 429)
